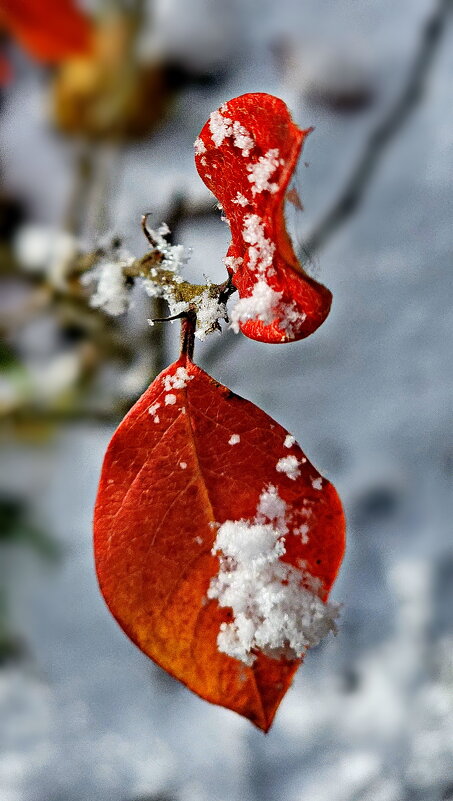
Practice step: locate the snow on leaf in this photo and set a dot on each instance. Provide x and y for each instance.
(172, 488)
(251, 184)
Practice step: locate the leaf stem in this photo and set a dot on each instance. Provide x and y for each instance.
(188, 324)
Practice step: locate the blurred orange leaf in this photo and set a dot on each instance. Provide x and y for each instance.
(246, 154)
(191, 456)
(50, 31)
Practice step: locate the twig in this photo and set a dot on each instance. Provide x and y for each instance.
(385, 130)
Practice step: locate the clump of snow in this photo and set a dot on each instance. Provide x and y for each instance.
(277, 608)
(220, 127)
(232, 262)
(223, 127)
(170, 399)
(288, 465)
(112, 293)
(234, 439)
(262, 170)
(262, 305)
(289, 441)
(173, 258)
(153, 412)
(266, 305)
(261, 249)
(317, 483)
(178, 380)
(183, 465)
(240, 200)
(199, 147)
(242, 138)
(302, 531)
(209, 312)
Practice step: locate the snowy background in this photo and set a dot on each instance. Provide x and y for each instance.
(83, 714)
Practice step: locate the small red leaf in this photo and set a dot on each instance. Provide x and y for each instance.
(190, 456)
(246, 155)
(50, 31)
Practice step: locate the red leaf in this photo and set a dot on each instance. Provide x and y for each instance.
(171, 474)
(246, 155)
(50, 31)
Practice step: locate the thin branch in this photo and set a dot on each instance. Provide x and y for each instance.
(384, 132)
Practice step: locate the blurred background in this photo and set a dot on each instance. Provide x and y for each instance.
(99, 106)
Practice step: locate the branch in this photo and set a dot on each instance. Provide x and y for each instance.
(384, 132)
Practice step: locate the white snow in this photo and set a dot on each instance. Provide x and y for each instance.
(177, 380)
(170, 399)
(220, 127)
(261, 249)
(260, 305)
(317, 483)
(209, 311)
(277, 608)
(242, 138)
(183, 465)
(223, 127)
(288, 465)
(262, 170)
(234, 439)
(112, 294)
(240, 200)
(289, 441)
(232, 262)
(199, 147)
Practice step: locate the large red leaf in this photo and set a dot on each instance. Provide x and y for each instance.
(49, 30)
(172, 473)
(246, 155)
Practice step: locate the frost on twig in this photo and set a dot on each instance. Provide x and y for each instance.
(112, 272)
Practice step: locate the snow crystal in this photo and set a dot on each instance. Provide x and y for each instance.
(183, 465)
(209, 311)
(289, 441)
(261, 171)
(232, 262)
(223, 127)
(170, 400)
(178, 380)
(261, 250)
(317, 483)
(288, 465)
(153, 412)
(265, 303)
(220, 127)
(234, 439)
(240, 200)
(242, 138)
(276, 607)
(112, 293)
(303, 532)
(199, 147)
(262, 305)
(174, 257)
(272, 507)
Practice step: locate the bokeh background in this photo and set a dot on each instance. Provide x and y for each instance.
(90, 141)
